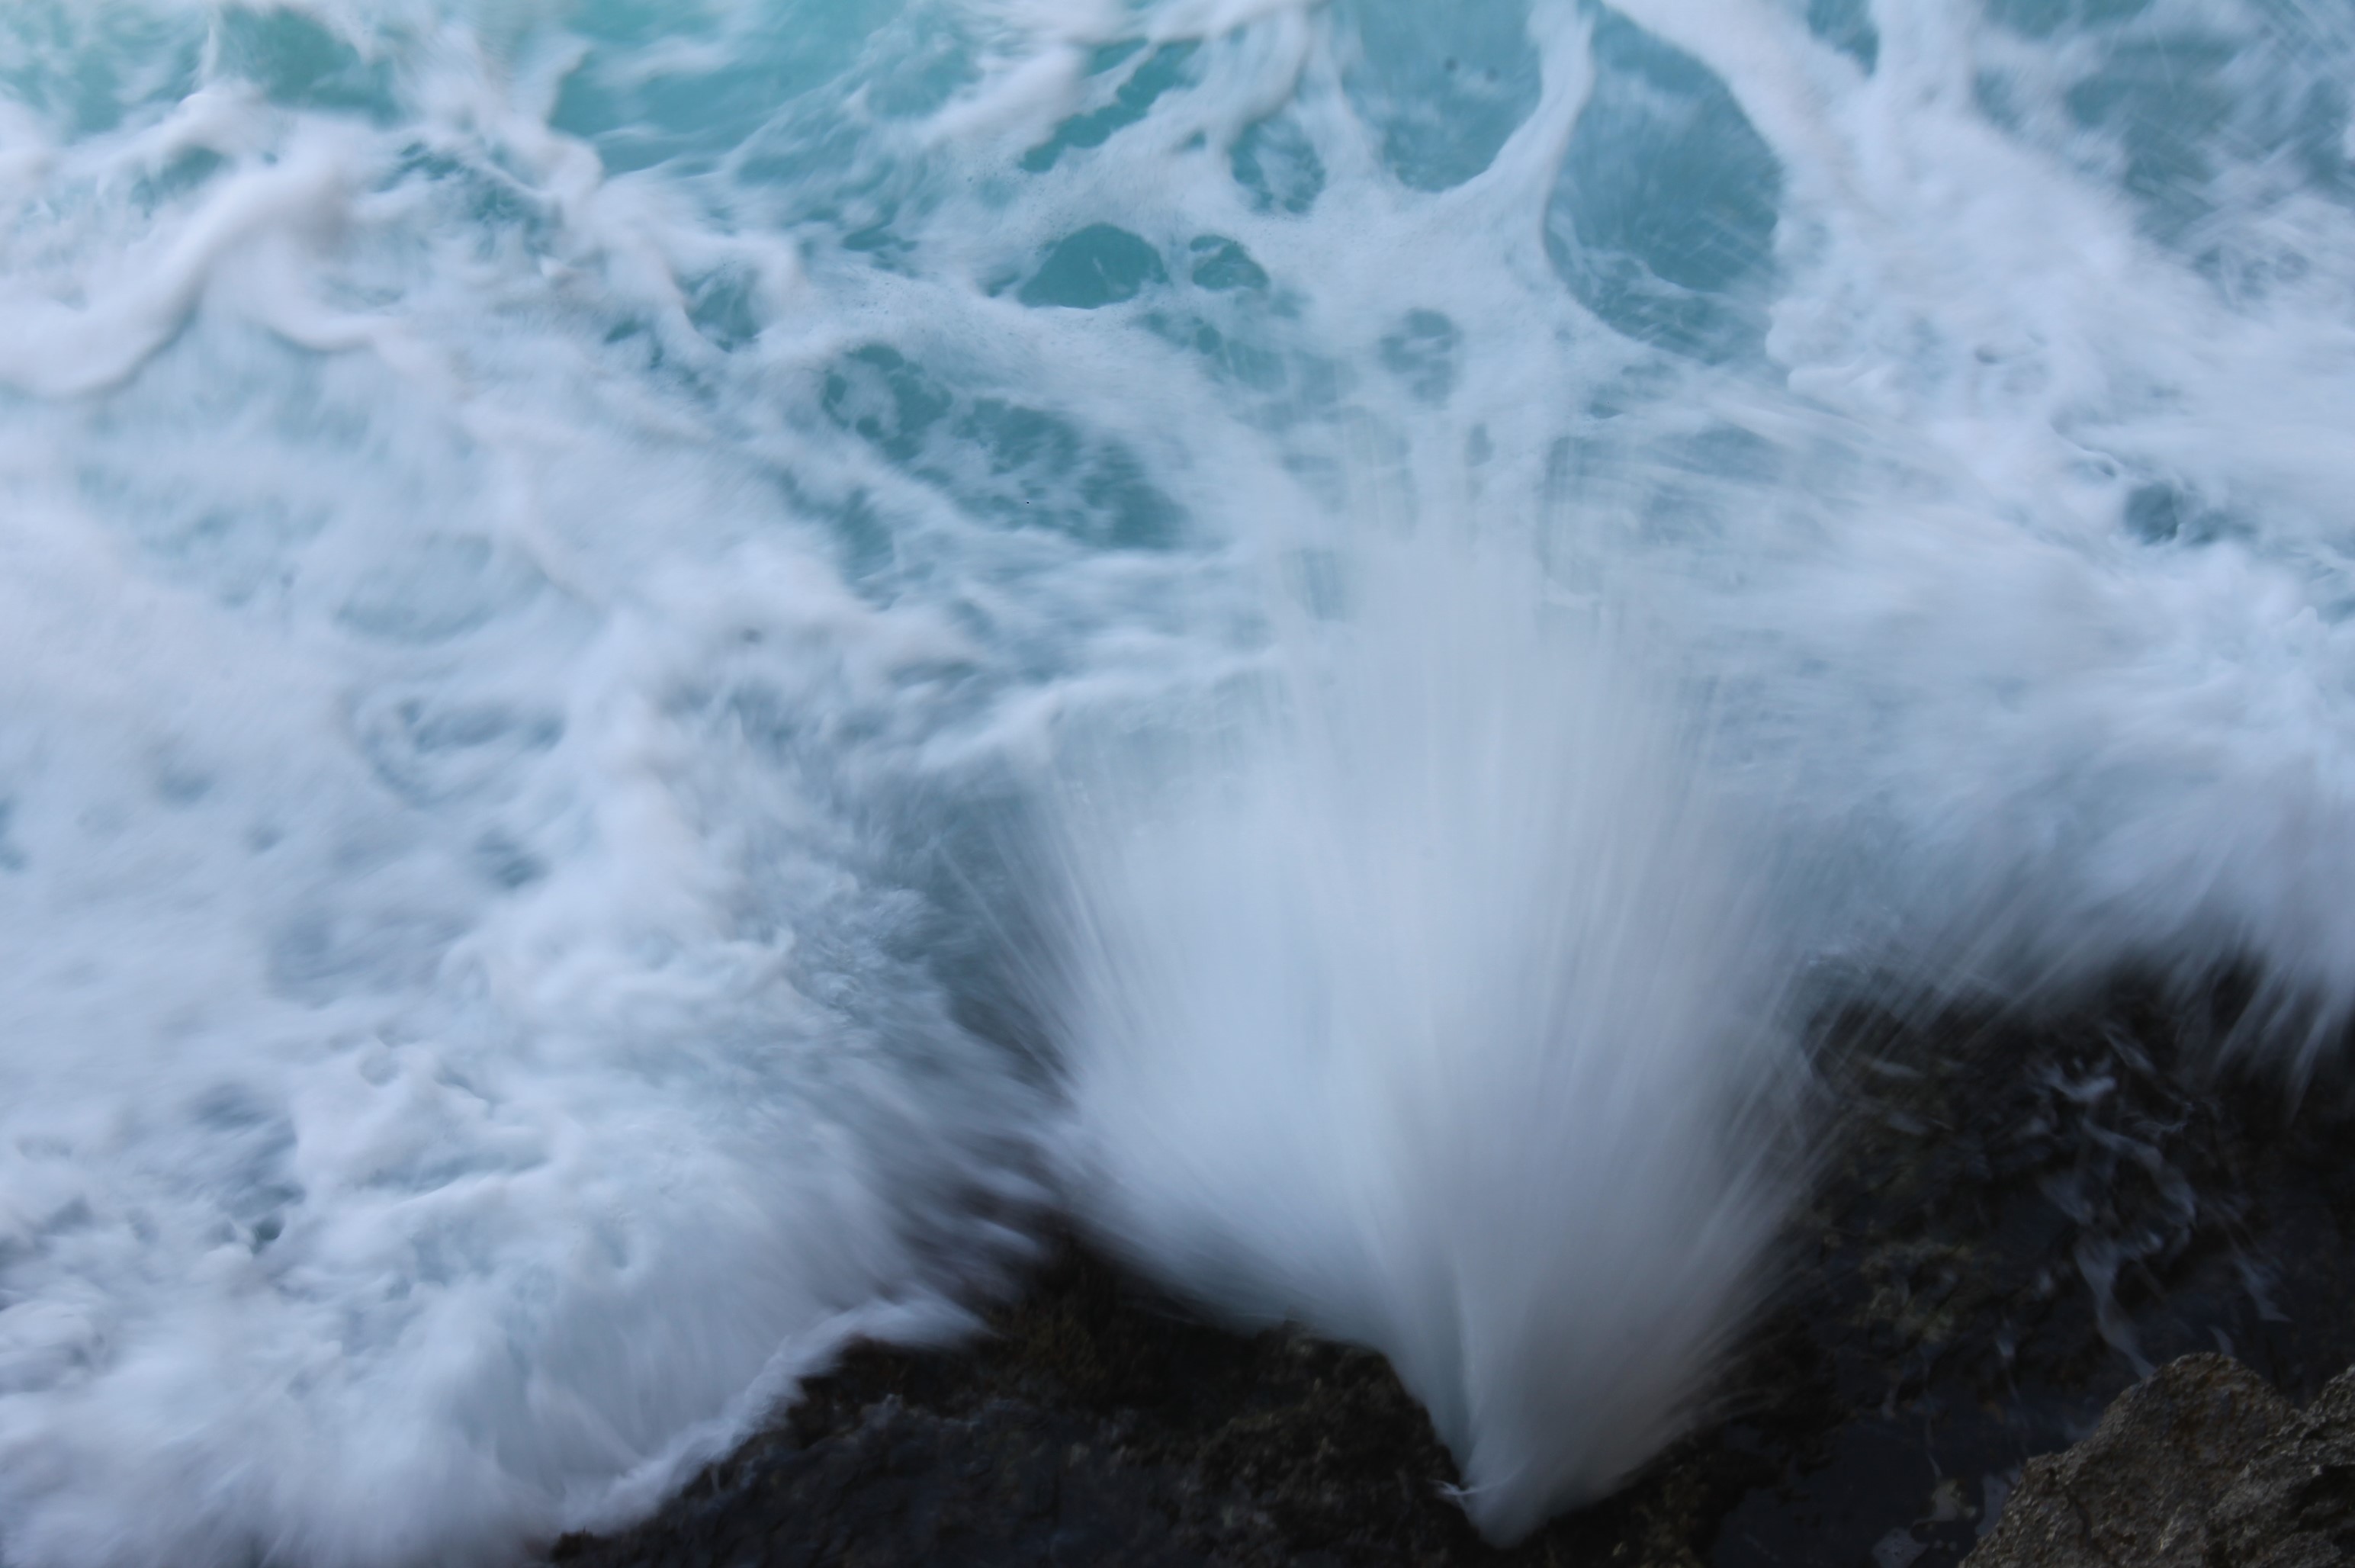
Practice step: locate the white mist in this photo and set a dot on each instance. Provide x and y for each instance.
(1440, 1016)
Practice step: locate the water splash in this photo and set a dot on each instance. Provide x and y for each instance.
(1440, 1015)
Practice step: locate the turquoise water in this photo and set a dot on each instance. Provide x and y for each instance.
(666, 668)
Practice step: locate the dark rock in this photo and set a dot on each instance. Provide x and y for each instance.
(2200, 1465)
(1101, 1426)
(2294, 1505)
(2017, 1212)
(2141, 1489)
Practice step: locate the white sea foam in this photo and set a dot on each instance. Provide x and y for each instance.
(535, 541)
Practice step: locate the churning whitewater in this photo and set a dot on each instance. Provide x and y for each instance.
(668, 673)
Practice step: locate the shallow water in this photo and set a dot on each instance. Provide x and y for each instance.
(667, 666)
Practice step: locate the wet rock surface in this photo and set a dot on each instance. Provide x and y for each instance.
(2020, 1220)
(1102, 1426)
(2202, 1465)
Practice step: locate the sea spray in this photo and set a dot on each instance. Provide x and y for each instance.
(1435, 1010)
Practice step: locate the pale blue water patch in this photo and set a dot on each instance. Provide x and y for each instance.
(88, 67)
(657, 86)
(1662, 222)
(2192, 110)
(1098, 266)
(1017, 466)
(1847, 26)
(2044, 19)
(1218, 263)
(1421, 351)
(300, 63)
(1151, 73)
(1443, 85)
(1278, 165)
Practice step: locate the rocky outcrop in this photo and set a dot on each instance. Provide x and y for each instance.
(2200, 1465)
(2015, 1212)
(1100, 1426)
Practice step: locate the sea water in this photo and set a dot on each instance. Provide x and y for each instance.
(669, 671)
